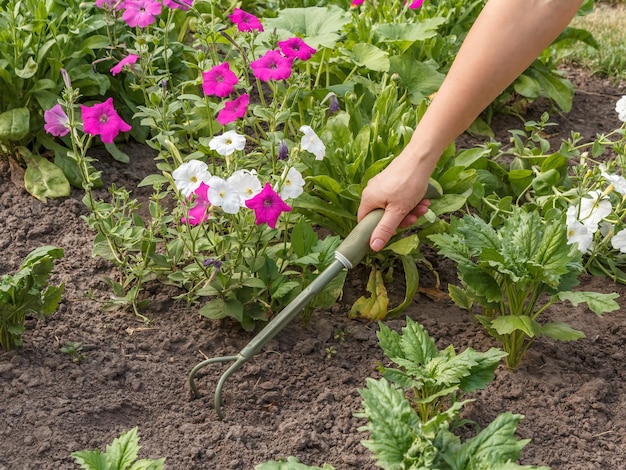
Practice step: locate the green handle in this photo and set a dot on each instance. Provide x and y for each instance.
(356, 244)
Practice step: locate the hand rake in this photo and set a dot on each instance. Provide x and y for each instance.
(349, 253)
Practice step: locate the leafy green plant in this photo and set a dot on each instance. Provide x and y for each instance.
(121, 454)
(402, 437)
(515, 273)
(74, 350)
(27, 293)
(437, 379)
(38, 39)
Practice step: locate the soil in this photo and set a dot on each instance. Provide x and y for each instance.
(293, 398)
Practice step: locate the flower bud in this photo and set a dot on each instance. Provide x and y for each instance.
(283, 151)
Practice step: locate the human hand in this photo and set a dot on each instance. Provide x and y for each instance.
(398, 190)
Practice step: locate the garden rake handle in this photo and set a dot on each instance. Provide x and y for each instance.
(348, 254)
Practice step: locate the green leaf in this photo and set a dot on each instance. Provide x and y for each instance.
(153, 179)
(123, 451)
(561, 331)
(29, 69)
(417, 346)
(460, 297)
(598, 303)
(116, 153)
(494, 445)
(392, 423)
(507, 324)
(317, 26)
(302, 238)
(420, 79)
(370, 56)
(91, 460)
(405, 246)
(43, 179)
(14, 124)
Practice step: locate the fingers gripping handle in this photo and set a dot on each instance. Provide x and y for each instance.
(356, 245)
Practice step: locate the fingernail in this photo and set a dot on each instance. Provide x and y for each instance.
(377, 244)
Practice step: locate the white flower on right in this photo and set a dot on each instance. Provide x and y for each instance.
(190, 175)
(593, 209)
(312, 143)
(226, 143)
(293, 184)
(618, 182)
(619, 241)
(620, 107)
(224, 195)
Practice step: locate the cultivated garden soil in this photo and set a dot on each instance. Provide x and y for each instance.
(293, 398)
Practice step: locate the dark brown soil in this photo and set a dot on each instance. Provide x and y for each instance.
(291, 399)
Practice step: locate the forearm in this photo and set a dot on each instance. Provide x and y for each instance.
(505, 39)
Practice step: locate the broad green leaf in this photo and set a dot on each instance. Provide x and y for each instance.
(302, 238)
(331, 292)
(43, 179)
(318, 26)
(389, 341)
(409, 32)
(123, 451)
(448, 203)
(460, 298)
(29, 69)
(14, 124)
(597, 302)
(152, 179)
(494, 445)
(405, 246)
(417, 346)
(392, 423)
(482, 373)
(507, 324)
(561, 331)
(420, 79)
(370, 56)
(91, 460)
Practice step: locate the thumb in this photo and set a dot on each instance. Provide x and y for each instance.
(386, 228)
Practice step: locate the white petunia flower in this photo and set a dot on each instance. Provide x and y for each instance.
(620, 107)
(606, 228)
(190, 175)
(619, 241)
(292, 186)
(226, 143)
(592, 210)
(312, 143)
(245, 183)
(222, 194)
(580, 235)
(618, 182)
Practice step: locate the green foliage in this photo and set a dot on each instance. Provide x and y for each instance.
(37, 40)
(513, 274)
(121, 454)
(291, 463)
(27, 293)
(436, 378)
(402, 438)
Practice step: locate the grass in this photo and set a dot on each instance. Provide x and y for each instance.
(607, 25)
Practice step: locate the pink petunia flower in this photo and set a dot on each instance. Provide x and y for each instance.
(102, 119)
(219, 81)
(56, 121)
(178, 4)
(356, 3)
(233, 110)
(128, 60)
(296, 48)
(245, 21)
(201, 209)
(141, 13)
(267, 206)
(415, 4)
(272, 66)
